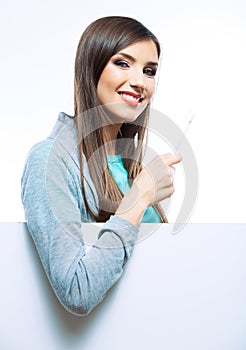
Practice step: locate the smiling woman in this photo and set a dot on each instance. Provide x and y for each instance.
(90, 167)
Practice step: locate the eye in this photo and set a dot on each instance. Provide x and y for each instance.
(149, 71)
(121, 63)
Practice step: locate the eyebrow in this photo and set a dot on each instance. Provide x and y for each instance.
(129, 57)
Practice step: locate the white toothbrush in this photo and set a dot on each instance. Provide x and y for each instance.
(189, 117)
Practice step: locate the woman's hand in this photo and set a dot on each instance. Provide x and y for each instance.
(153, 184)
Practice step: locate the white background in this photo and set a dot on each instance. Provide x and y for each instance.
(202, 69)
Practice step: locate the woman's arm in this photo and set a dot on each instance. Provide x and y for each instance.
(50, 194)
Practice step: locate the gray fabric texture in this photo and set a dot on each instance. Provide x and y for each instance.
(55, 213)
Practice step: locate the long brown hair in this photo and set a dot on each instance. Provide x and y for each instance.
(101, 40)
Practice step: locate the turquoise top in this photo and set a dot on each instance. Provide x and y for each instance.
(120, 174)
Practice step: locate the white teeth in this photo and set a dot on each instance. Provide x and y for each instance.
(130, 98)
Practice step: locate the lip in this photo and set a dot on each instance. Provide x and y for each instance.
(135, 99)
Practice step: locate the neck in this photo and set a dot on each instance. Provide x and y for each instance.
(110, 133)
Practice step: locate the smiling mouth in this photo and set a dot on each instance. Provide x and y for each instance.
(131, 97)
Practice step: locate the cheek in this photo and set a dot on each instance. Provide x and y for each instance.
(151, 89)
(105, 84)
(110, 76)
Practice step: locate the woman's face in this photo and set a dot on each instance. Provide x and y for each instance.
(128, 81)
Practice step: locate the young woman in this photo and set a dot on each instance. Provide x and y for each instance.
(90, 167)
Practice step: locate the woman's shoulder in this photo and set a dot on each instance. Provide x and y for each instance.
(61, 142)
(40, 150)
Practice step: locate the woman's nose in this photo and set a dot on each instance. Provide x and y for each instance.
(138, 80)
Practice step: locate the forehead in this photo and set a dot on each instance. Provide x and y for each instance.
(144, 49)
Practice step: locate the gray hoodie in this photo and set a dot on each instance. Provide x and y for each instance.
(54, 209)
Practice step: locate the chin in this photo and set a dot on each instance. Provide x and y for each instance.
(123, 113)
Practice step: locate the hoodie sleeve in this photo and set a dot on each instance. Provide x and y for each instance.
(52, 202)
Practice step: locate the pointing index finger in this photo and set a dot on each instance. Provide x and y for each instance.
(172, 159)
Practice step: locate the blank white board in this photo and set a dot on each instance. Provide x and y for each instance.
(178, 292)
